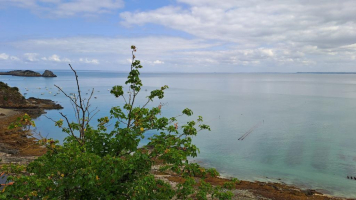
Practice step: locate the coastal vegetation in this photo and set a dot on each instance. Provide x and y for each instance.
(94, 163)
(10, 96)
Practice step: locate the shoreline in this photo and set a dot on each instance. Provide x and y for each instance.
(16, 145)
(255, 190)
(19, 145)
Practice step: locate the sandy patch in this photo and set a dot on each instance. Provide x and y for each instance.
(7, 112)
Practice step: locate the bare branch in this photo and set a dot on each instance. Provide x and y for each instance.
(146, 103)
(70, 128)
(81, 109)
(124, 99)
(65, 94)
(89, 119)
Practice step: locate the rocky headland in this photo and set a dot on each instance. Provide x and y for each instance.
(18, 144)
(29, 73)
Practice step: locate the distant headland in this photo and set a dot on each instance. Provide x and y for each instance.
(29, 73)
(326, 72)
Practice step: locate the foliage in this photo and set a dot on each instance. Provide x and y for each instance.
(12, 168)
(24, 122)
(94, 163)
(231, 184)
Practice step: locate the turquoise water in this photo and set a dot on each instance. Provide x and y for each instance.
(302, 126)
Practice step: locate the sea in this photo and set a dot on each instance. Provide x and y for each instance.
(299, 129)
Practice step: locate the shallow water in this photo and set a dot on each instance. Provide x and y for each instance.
(302, 126)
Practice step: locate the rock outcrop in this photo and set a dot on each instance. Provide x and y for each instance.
(19, 145)
(21, 73)
(48, 73)
(29, 73)
(11, 97)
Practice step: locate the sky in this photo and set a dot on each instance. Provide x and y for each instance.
(179, 35)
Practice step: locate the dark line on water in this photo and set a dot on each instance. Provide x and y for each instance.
(250, 130)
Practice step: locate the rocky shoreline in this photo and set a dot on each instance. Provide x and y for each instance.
(18, 142)
(247, 190)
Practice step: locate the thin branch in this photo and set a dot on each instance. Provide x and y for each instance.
(70, 128)
(89, 119)
(91, 95)
(50, 118)
(65, 94)
(146, 103)
(124, 99)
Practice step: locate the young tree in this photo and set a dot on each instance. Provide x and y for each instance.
(94, 163)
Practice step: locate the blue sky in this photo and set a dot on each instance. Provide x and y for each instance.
(179, 35)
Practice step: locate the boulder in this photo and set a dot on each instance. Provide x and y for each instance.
(48, 73)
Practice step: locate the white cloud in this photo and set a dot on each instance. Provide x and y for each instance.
(4, 56)
(31, 57)
(158, 62)
(223, 35)
(55, 58)
(114, 45)
(257, 22)
(66, 8)
(89, 61)
(267, 27)
(189, 54)
(34, 57)
(268, 52)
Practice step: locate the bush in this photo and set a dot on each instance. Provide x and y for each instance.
(16, 89)
(94, 163)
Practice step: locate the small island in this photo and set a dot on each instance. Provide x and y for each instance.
(29, 73)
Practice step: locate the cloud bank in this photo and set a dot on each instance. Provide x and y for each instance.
(64, 8)
(205, 35)
(277, 32)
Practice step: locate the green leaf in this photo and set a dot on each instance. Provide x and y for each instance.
(117, 91)
(187, 112)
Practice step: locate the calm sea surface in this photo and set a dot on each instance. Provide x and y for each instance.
(301, 128)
